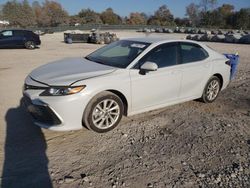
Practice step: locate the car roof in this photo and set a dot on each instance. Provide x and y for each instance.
(155, 40)
(16, 30)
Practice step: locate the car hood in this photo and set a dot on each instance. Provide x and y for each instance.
(68, 71)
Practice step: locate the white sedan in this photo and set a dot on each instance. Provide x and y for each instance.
(126, 77)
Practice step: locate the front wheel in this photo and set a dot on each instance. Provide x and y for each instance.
(104, 112)
(211, 90)
(30, 45)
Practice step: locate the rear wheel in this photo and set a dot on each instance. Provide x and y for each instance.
(211, 90)
(30, 45)
(104, 112)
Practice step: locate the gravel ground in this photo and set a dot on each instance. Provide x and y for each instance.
(186, 145)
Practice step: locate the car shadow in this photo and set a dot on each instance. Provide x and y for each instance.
(25, 160)
(17, 47)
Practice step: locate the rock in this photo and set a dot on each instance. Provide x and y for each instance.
(233, 175)
(83, 175)
(68, 179)
(200, 175)
(241, 169)
(85, 179)
(52, 173)
(124, 135)
(218, 179)
(60, 181)
(150, 185)
(184, 163)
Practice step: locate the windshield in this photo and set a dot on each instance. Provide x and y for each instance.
(118, 54)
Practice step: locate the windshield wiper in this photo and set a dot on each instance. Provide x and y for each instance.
(94, 60)
(87, 58)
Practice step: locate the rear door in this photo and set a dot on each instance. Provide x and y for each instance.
(195, 68)
(19, 37)
(6, 38)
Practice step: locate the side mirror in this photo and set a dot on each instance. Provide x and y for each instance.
(149, 66)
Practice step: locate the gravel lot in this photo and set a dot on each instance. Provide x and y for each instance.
(186, 145)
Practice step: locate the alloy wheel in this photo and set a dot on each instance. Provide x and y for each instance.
(105, 114)
(213, 90)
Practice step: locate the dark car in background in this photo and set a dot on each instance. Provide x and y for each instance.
(19, 38)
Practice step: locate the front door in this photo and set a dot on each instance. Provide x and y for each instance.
(6, 39)
(156, 87)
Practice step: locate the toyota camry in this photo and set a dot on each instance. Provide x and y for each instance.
(126, 77)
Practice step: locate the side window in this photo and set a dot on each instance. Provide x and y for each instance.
(7, 33)
(18, 33)
(164, 55)
(192, 52)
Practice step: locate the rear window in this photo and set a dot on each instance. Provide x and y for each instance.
(192, 53)
(19, 33)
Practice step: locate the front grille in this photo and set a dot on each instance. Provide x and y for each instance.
(41, 113)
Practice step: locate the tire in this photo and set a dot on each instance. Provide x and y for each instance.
(211, 90)
(30, 45)
(102, 119)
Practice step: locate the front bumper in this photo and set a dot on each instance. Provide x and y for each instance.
(41, 112)
(59, 113)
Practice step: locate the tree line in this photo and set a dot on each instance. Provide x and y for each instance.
(52, 14)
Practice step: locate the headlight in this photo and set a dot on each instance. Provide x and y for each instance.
(61, 91)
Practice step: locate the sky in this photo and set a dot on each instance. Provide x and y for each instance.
(124, 7)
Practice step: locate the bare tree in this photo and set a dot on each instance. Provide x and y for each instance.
(89, 16)
(55, 12)
(162, 17)
(136, 18)
(192, 11)
(109, 17)
(207, 4)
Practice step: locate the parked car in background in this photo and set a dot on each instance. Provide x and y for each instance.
(126, 77)
(19, 38)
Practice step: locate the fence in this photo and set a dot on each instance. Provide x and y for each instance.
(89, 27)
